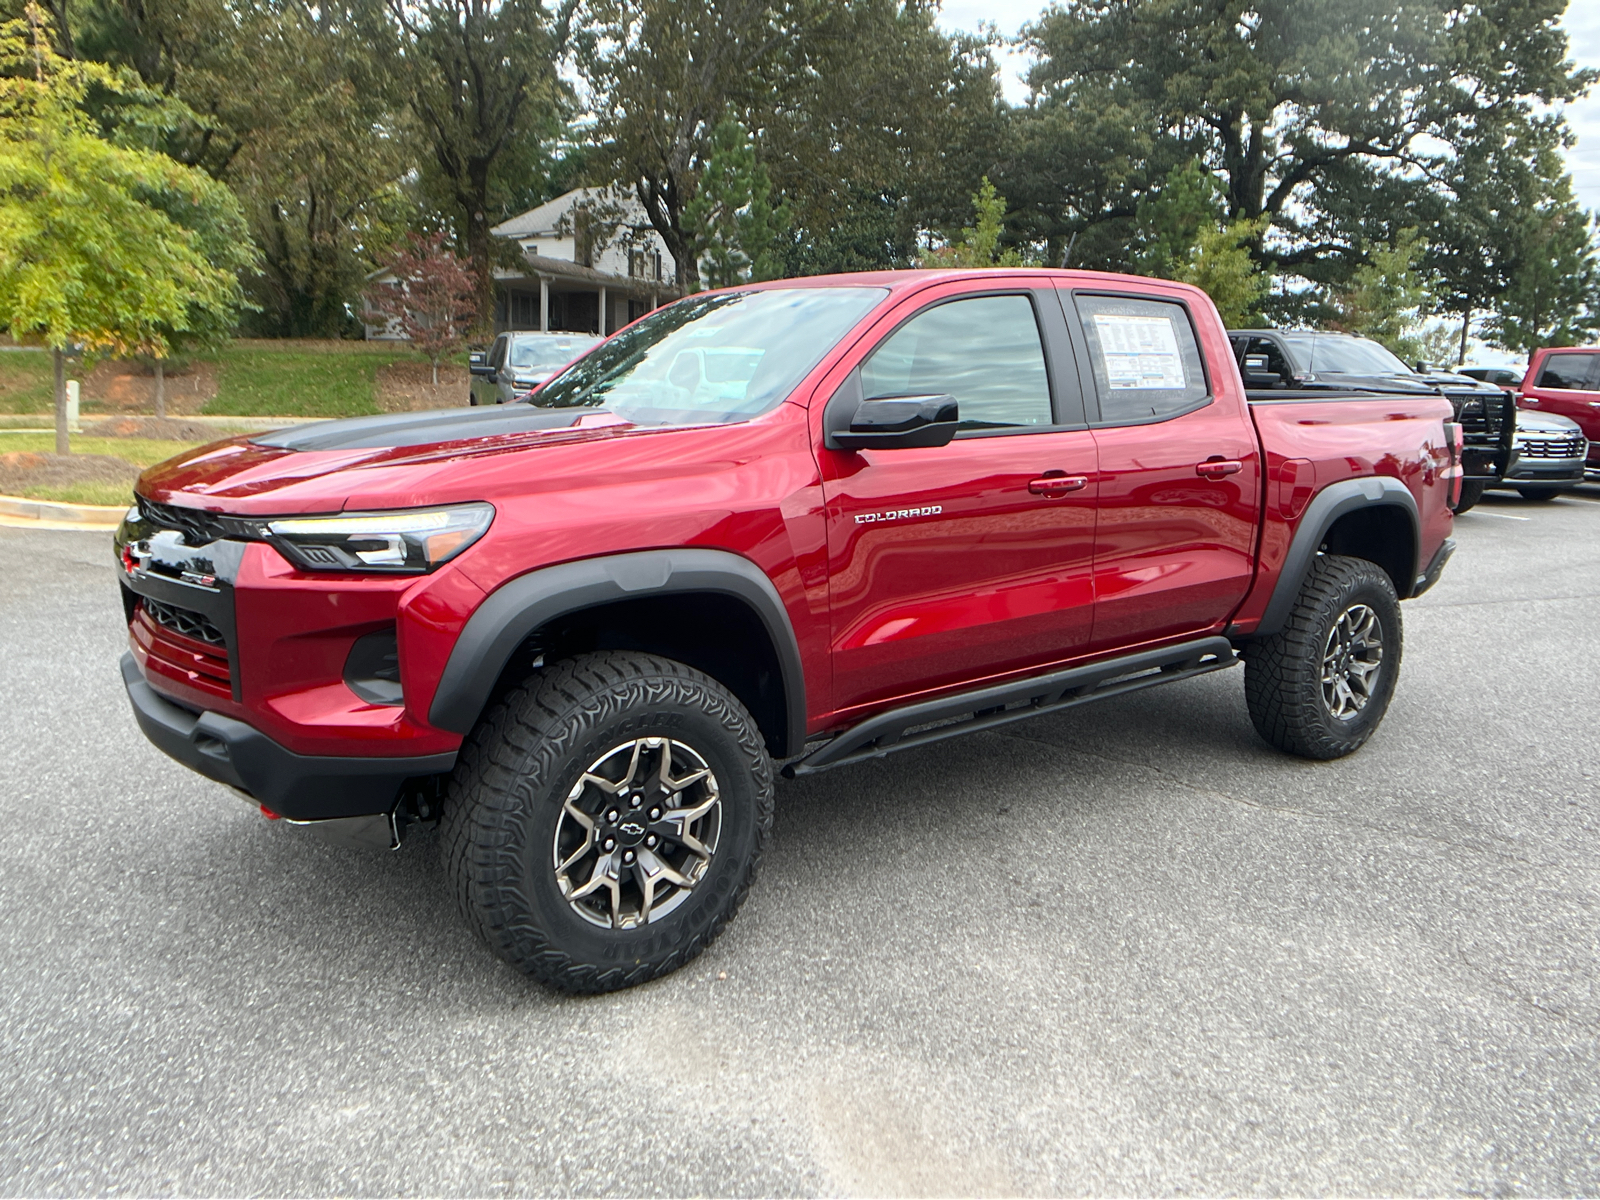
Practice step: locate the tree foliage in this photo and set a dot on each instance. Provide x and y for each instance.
(1385, 298)
(979, 243)
(734, 228)
(109, 247)
(430, 297)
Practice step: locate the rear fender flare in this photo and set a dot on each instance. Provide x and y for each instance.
(524, 604)
(1326, 507)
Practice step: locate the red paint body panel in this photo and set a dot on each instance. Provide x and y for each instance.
(904, 573)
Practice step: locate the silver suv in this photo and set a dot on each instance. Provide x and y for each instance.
(519, 362)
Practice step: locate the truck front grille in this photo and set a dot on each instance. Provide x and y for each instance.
(183, 643)
(1568, 447)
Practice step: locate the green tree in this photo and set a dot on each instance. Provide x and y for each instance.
(90, 252)
(851, 101)
(1552, 296)
(1328, 117)
(978, 244)
(481, 81)
(1220, 265)
(1170, 218)
(735, 228)
(1385, 299)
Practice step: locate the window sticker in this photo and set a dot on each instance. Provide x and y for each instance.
(1139, 352)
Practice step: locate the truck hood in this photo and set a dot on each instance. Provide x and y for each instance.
(316, 467)
(1408, 382)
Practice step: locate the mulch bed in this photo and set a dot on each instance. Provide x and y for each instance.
(23, 469)
(409, 387)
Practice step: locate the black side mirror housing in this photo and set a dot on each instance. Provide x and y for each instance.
(851, 422)
(478, 363)
(1261, 379)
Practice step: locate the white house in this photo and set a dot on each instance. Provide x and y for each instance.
(592, 264)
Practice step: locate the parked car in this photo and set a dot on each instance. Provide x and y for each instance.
(1566, 382)
(1272, 360)
(1504, 377)
(1550, 458)
(815, 521)
(516, 363)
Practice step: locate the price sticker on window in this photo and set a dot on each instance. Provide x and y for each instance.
(1139, 352)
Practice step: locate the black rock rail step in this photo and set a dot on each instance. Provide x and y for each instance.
(986, 708)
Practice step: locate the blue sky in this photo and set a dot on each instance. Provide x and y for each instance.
(1583, 28)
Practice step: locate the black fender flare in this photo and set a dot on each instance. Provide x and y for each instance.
(1326, 507)
(518, 607)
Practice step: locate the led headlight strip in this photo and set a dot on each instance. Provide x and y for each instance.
(411, 542)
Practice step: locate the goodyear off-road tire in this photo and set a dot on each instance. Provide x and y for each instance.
(582, 742)
(1471, 492)
(1347, 616)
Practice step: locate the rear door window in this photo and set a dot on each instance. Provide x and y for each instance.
(1145, 358)
(984, 350)
(1567, 371)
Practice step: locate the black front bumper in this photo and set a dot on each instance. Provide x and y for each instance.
(301, 787)
(1545, 471)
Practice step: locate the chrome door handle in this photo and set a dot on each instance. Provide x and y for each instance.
(1058, 485)
(1216, 468)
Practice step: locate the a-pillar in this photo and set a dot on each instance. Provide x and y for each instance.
(544, 305)
(602, 311)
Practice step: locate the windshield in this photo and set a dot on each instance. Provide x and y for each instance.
(1342, 354)
(712, 359)
(547, 351)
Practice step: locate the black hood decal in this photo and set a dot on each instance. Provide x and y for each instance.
(399, 430)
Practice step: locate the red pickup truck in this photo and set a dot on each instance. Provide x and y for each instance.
(1566, 383)
(808, 522)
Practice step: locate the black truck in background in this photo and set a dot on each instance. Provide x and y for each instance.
(1295, 360)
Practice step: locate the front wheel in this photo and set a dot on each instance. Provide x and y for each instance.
(1471, 492)
(1319, 687)
(605, 820)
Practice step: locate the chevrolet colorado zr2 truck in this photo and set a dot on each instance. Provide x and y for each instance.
(803, 523)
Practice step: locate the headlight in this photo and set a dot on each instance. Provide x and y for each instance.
(412, 542)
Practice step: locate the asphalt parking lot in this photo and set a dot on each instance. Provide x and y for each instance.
(1126, 949)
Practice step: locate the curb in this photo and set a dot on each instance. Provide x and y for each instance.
(19, 512)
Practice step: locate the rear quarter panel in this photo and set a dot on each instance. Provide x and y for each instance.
(1309, 444)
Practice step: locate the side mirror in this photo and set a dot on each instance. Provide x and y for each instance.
(1422, 367)
(478, 363)
(1261, 379)
(899, 423)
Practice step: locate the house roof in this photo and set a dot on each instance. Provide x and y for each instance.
(561, 268)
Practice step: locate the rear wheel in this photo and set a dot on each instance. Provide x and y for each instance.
(1471, 492)
(1320, 686)
(605, 821)
(1539, 493)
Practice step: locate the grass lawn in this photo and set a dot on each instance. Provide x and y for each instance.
(300, 379)
(26, 383)
(141, 452)
(255, 378)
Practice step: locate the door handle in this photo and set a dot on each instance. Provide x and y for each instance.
(1216, 468)
(1058, 485)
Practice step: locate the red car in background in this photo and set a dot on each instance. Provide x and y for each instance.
(1566, 383)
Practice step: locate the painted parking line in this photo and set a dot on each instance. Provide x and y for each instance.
(1502, 516)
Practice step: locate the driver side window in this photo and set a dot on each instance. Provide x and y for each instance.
(985, 351)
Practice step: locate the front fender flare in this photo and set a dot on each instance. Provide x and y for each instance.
(1326, 507)
(522, 605)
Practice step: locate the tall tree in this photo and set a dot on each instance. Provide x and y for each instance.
(1302, 108)
(101, 246)
(1552, 294)
(848, 102)
(481, 80)
(733, 226)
